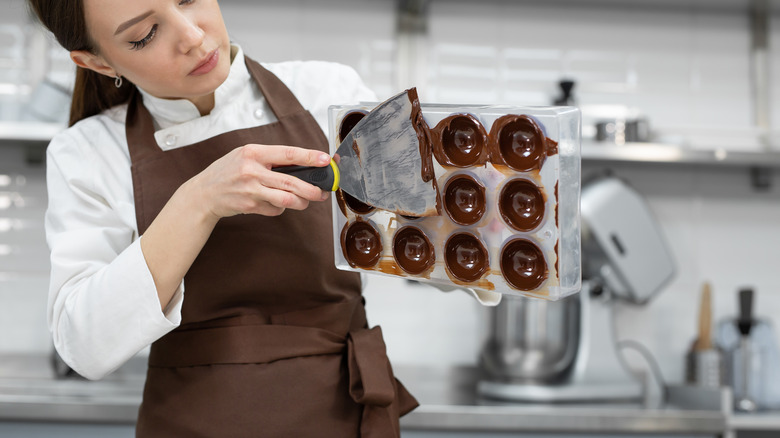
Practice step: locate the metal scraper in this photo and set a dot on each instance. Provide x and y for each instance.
(385, 161)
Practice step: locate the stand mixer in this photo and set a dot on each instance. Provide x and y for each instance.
(565, 351)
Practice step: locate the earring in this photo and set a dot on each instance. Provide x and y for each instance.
(118, 81)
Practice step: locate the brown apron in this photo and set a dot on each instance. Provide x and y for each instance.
(273, 340)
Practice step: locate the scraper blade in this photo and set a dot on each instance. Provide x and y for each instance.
(385, 161)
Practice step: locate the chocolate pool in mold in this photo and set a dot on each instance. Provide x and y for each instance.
(460, 140)
(343, 198)
(464, 199)
(361, 244)
(413, 251)
(518, 142)
(466, 257)
(348, 123)
(521, 204)
(523, 265)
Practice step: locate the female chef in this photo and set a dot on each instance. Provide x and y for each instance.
(167, 227)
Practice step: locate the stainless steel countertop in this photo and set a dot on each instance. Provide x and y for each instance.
(29, 391)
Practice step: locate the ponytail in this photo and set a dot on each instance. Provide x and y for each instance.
(93, 93)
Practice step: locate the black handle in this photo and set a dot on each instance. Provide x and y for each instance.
(745, 320)
(326, 178)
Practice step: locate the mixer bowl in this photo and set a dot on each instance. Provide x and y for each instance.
(532, 340)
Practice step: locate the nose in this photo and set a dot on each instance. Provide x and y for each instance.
(190, 34)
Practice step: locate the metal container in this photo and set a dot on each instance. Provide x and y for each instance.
(531, 340)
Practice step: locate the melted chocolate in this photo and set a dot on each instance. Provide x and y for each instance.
(518, 142)
(413, 251)
(344, 199)
(361, 244)
(426, 144)
(423, 135)
(552, 147)
(466, 257)
(521, 204)
(523, 265)
(464, 200)
(353, 204)
(348, 123)
(460, 140)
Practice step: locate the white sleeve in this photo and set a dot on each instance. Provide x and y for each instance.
(103, 306)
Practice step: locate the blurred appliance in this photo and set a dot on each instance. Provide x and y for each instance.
(752, 357)
(540, 351)
(621, 131)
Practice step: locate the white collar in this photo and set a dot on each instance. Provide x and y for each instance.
(170, 112)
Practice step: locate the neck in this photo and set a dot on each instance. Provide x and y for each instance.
(204, 104)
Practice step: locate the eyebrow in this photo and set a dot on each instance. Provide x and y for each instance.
(131, 22)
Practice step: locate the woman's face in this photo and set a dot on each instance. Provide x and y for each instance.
(169, 48)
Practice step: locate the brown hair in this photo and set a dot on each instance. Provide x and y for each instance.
(92, 92)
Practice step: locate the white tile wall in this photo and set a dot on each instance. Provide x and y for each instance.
(686, 68)
(359, 33)
(683, 64)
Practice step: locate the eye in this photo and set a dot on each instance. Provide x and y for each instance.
(186, 2)
(138, 45)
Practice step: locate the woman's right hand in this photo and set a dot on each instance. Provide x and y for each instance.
(242, 182)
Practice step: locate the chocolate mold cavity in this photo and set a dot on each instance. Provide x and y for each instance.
(466, 257)
(413, 250)
(523, 265)
(361, 244)
(518, 142)
(460, 141)
(521, 204)
(348, 122)
(464, 199)
(345, 199)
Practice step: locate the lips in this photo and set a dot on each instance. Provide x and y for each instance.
(207, 64)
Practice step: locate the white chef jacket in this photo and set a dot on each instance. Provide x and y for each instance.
(103, 306)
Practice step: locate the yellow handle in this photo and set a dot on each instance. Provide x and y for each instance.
(336, 175)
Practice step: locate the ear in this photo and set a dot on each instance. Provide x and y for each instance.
(89, 60)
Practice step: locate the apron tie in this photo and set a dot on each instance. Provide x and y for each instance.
(370, 380)
(255, 341)
(371, 383)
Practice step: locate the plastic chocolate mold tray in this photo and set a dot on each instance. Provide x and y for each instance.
(509, 185)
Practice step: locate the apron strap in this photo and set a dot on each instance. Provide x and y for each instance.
(139, 130)
(281, 100)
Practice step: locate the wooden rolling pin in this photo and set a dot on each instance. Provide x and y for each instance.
(704, 341)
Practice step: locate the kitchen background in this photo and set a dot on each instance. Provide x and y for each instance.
(685, 66)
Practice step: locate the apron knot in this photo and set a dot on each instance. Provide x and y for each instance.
(371, 381)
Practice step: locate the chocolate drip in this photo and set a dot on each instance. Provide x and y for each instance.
(426, 144)
(423, 135)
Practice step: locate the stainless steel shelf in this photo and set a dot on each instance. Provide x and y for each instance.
(28, 132)
(769, 420)
(657, 153)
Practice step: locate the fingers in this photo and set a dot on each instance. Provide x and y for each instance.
(243, 182)
(290, 184)
(273, 156)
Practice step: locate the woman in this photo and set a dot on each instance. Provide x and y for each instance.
(167, 227)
